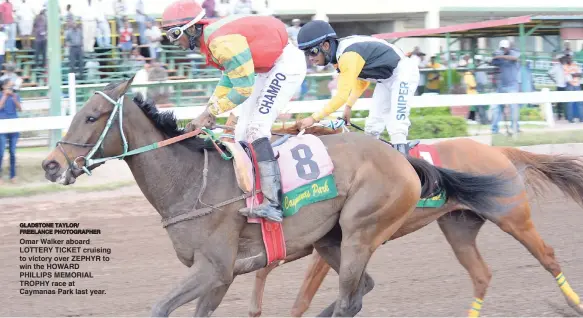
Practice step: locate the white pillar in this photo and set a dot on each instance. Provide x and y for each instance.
(432, 20)
(538, 43)
(548, 109)
(72, 95)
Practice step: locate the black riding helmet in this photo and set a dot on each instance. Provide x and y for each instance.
(313, 34)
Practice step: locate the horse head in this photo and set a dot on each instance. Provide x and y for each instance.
(95, 132)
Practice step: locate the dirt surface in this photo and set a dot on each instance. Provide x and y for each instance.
(416, 275)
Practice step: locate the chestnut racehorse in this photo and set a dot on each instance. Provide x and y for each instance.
(461, 226)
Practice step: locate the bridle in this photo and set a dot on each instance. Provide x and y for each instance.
(88, 160)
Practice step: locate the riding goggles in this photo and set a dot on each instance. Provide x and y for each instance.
(175, 33)
(313, 51)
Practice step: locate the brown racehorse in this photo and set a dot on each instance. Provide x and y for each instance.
(461, 227)
(218, 243)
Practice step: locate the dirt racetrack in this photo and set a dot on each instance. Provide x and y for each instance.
(417, 275)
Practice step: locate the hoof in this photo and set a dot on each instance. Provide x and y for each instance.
(255, 313)
(578, 307)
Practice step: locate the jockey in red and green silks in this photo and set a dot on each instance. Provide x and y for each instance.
(261, 71)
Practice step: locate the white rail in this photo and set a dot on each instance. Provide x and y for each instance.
(544, 98)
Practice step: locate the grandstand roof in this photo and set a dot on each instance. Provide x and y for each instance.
(538, 25)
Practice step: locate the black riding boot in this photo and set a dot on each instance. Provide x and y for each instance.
(270, 179)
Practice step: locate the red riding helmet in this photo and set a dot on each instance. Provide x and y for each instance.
(181, 12)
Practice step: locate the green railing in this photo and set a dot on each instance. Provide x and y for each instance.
(180, 92)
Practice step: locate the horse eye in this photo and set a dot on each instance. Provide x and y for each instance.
(90, 119)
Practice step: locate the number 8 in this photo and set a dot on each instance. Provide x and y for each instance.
(305, 161)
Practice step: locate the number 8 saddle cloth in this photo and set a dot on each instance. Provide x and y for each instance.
(306, 171)
(307, 177)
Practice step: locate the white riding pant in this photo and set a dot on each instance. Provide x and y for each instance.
(391, 103)
(272, 91)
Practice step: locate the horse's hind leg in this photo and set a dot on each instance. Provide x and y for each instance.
(519, 224)
(460, 229)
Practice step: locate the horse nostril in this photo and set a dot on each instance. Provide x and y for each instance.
(51, 166)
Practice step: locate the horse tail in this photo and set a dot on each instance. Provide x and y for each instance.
(565, 172)
(477, 192)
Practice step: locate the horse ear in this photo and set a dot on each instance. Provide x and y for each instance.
(124, 88)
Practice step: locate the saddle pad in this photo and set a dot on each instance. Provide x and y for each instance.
(302, 160)
(242, 165)
(429, 154)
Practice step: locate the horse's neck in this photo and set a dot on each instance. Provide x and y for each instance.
(169, 176)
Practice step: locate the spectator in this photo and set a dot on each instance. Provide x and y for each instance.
(154, 37)
(293, 30)
(69, 18)
(11, 74)
(160, 94)
(141, 20)
(120, 12)
(103, 29)
(209, 7)
(481, 84)
(9, 108)
(243, 7)
(481, 76)
(89, 24)
(573, 77)
(567, 50)
(222, 8)
(506, 59)
(470, 84)
(579, 57)
(26, 15)
(141, 77)
(136, 60)
(91, 70)
(433, 77)
(74, 41)
(7, 19)
(418, 57)
(126, 39)
(3, 39)
(40, 39)
(557, 74)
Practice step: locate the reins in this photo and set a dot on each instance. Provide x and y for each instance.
(89, 161)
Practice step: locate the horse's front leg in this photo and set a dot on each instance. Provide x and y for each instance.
(209, 302)
(203, 277)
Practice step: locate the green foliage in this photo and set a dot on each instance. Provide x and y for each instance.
(430, 111)
(437, 127)
(530, 114)
(456, 80)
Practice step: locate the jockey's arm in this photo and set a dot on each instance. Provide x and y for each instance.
(350, 64)
(357, 91)
(236, 84)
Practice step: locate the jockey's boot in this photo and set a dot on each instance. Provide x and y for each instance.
(270, 179)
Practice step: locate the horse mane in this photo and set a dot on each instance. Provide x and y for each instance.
(314, 130)
(166, 123)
